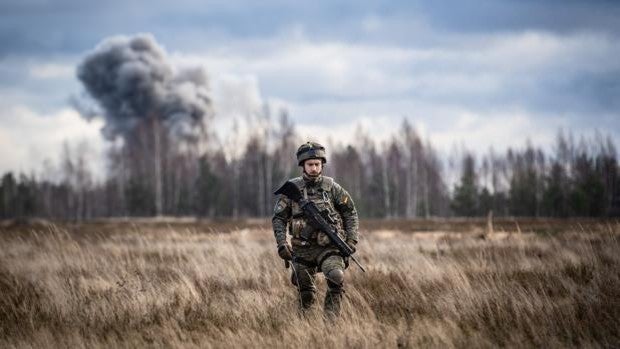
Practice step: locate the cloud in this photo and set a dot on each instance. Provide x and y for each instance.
(236, 96)
(238, 107)
(42, 84)
(27, 139)
(307, 70)
(44, 27)
(509, 86)
(379, 127)
(483, 71)
(479, 132)
(547, 15)
(488, 73)
(52, 71)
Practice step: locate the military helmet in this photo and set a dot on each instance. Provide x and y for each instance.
(310, 150)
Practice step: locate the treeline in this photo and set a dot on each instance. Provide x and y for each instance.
(156, 173)
(577, 179)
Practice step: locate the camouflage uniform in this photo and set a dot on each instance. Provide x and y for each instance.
(317, 253)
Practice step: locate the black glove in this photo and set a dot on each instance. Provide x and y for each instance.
(352, 244)
(285, 252)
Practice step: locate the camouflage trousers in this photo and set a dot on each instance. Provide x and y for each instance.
(308, 261)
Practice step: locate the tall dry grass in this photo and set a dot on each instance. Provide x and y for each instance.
(182, 288)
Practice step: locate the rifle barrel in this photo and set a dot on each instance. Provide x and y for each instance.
(358, 263)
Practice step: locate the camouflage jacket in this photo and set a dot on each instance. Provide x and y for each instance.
(327, 195)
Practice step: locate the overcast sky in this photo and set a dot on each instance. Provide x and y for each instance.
(483, 73)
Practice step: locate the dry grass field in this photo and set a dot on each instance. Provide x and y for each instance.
(218, 285)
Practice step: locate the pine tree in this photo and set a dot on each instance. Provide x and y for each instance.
(465, 199)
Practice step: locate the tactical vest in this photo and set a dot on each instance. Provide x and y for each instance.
(322, 198)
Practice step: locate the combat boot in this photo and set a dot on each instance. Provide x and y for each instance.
(307, 299)
(333, 300)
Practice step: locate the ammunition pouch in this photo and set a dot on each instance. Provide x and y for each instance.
(307, 233)
(322, 239)
(297, 226)
(320, 196)
(297, 242)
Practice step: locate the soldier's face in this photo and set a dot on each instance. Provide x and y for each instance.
(313, 167)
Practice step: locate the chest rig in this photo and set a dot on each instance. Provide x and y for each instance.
(303, 234)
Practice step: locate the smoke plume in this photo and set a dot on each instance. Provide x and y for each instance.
(131, 80)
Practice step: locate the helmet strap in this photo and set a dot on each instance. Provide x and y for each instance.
(303, 170)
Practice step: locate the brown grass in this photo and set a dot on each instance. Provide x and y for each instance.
(169, 287)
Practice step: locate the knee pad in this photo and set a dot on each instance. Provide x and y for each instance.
(335, 278)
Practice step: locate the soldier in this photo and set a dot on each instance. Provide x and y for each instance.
(316, 253)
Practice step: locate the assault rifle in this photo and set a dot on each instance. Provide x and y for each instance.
(316, 219)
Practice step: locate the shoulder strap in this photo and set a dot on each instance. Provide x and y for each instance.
(299, 182)
(327, 183)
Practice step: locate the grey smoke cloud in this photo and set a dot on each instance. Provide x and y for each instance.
(131, 79)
